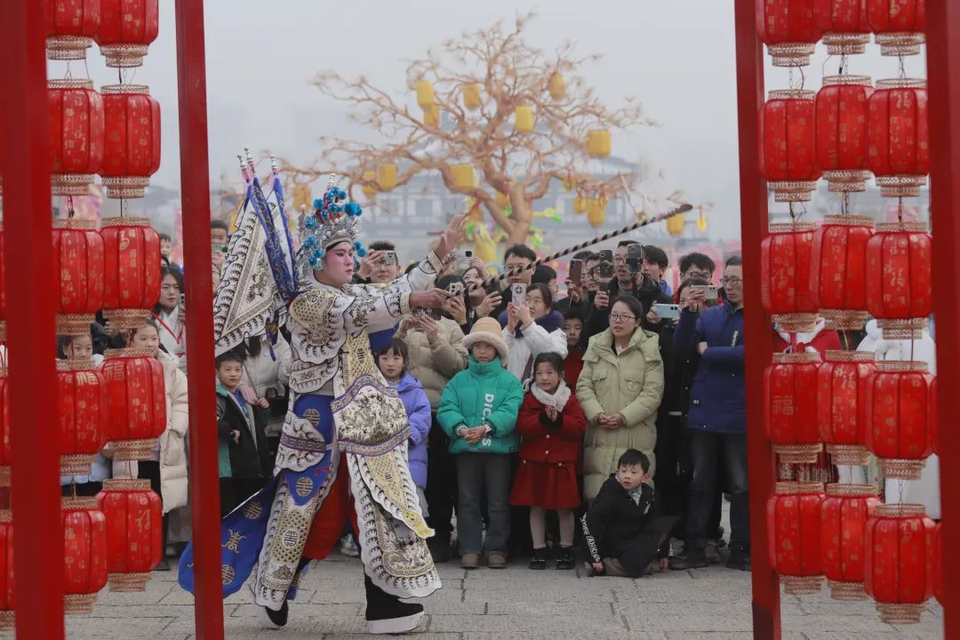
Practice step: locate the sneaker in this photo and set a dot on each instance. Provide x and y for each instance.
(348, 547)
(278, 618)
(712, 552)
(539, 560)
(388, 614)
(470, 561)
(688, 560)
(565, 559)
(739, 559)
(497, 561)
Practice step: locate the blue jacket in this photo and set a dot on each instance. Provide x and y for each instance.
(717, 397)
(415, 401)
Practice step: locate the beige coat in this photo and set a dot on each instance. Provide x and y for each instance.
(173, 451)
(631, 385)
(434, 365)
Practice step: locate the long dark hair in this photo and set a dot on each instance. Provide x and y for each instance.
(550, 357)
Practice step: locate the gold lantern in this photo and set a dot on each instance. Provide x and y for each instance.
(701, 222)
(523, 119)
(425, 94)
(388, 176)
(558, 86)
(471, 96)
(369, 189)
(431, 116)
(579, 205)
(599, 143)
(463, 178)
(597, 211)
(503, 200)
(675, 225)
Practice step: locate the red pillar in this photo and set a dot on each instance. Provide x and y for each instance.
(943, 67)
(753, 226)
(195, 200)
(31, 334)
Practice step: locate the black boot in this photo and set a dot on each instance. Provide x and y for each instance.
(565, 558)
(539, 560)
(439, 549)
(691, 558)
(739, 559)
(387, 614)
(278, 618)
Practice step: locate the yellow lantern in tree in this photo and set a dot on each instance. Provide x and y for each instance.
(597, 211)
(431, 116)
(369, 189)
(558, 86)
(523, 119)
(463, 177)
(471, 96)
(301, 197)
(503, 200)
(388, 176)
(675, 225)
(579, 205)
(599, 143)
(425, 94)
(702, 222)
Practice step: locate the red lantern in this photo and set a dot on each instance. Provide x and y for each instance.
(134, 532)
(132, 271)
(82, 394)
(842, 383)
(787, 145)
(789, 30)
(899, 286)
(6, 457)
(131, 139)
(841, 128)
(843, 519)
(84, 553)
(900, 560)
(127, 27)
(70, 26)
(78, 263)
(136, 402)
(899, 25)
(838, 265)
(7, 608)
(76, 135)
(793, 535)
(844, 25)
(899, 411)
(898, 136)
(790, 406)
(938, 568)
(785, 271)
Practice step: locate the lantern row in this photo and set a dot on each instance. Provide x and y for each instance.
(124, 29)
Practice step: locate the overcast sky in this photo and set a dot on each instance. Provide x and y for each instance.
(677, 57)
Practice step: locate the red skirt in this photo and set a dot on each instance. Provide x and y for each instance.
(546, 485)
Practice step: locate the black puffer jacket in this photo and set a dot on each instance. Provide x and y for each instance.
(250, 457)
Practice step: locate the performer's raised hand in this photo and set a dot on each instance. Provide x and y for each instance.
(430, 299)
(451, 236)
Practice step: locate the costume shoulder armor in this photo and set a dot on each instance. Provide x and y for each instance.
(312, 307)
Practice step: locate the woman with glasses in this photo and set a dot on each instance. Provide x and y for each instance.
(620, 389)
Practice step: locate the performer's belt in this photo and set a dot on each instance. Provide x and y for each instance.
(304, 444)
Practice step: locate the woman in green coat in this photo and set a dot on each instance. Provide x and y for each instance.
(619, 389)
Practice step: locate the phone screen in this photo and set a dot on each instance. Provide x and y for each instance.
(606, 270)
(576, 271)
(519, 293)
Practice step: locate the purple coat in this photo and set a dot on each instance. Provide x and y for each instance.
(418, 413)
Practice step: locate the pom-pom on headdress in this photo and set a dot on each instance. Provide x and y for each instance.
(334, 220)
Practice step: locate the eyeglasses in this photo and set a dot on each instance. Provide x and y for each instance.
(699, 275)
(731, 280)
(622, 317)
(619, 259)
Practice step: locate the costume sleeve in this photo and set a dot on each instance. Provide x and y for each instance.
(378, 307)
(419, 417)
(448, 412)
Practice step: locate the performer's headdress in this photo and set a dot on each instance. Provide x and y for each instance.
(334, 220)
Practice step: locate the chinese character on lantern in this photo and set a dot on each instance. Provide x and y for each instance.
(843, 521)
(841, 131)
(78, 264)
(793, 531)
(785, 271)
(76, 135)
(134, 532)
(838, 265)
(132, 271)
(131, 139)
(899, 285)
(787, 145)
(898, 137)
(844, 24)
(842, 384)
(789, 29)
(71, 24)
(127, 27)
(136, 402)
(898, 24)
(790, 406)
(84, 554)
(82, 414)
(899, 412)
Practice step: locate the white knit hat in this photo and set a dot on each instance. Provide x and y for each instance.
(487, 330)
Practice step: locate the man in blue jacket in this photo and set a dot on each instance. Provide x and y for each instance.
(717, 419)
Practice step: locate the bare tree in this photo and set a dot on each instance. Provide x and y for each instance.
(514, 160)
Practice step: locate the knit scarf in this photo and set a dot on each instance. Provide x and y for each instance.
(557, 400)
(634, 494)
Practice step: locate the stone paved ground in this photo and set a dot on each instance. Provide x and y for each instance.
(514, 603)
